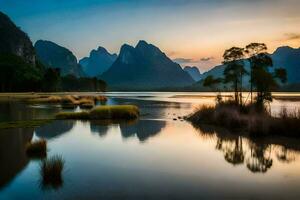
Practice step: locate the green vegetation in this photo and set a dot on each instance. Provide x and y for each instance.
(18, 76)
(70, 101)
(84, 84)
(103, 113)
(51, 172)
(37, 149)
(24, 124)
(73, 115)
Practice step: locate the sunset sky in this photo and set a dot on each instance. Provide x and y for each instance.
(194, 32)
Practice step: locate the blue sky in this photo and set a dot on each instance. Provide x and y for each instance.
(196, 32)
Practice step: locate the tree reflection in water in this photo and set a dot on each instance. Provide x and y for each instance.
(233, 150)
(285, 155)
(256, 155)
(260, 158)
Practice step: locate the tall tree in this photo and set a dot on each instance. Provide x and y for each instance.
(253, 50)
(212, 82)
(261, 77)
(234, 71)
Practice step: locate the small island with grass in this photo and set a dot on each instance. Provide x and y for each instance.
(112, 112)
(240, 114)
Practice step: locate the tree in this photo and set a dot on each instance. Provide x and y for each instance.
(234, 71)
(16, 75)
(52, 80)
(212, 82)
(261, 77)
(252, 50)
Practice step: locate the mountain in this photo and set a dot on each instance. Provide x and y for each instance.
(193, 72)
(14, 41)
(288, 58)
(285, 57)
(55, 56)
(145, 67)
(98, 62)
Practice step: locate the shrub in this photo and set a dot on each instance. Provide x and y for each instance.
(37, 149)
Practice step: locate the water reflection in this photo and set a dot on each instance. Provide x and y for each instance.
(286, 156)
(16, 110)
(13, 157)
(256, 154)
(260, 157)
(143, 130)
(54, 129)
(99, 128)
(233, 150)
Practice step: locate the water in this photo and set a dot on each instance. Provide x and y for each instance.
(157, 157)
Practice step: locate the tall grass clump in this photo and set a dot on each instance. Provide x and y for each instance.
(51, 172)
(103, 113)
(37, 149)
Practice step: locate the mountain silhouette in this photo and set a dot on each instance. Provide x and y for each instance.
(193, 72)
(98, 62)
(54, 56)
(145, 67)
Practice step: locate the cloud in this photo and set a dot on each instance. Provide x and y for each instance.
(292, 36)
(192, 61)
(206, 59)
(183, 60)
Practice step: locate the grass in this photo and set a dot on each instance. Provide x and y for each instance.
(68, 101)
(73, 115)
(247, 119)
(37, 149)
(51, 172)
(103, 113)
(24, 124)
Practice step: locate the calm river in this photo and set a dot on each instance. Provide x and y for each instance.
(158, 157)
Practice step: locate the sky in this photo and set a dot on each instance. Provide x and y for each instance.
(192, 32)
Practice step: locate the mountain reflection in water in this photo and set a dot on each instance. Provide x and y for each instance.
(13, 157)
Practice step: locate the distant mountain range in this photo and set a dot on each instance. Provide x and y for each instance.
(193, 72)
(145, 67)
(55, 56)
(98, 62)
(14, 41)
